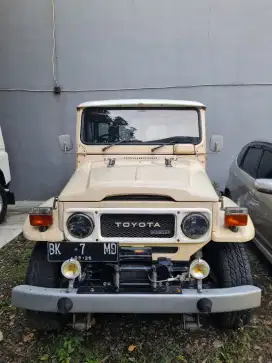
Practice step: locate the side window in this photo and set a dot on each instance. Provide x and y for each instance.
(251, 161)
(265, 168)
(241, 155)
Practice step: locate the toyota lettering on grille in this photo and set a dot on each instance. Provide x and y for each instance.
(135, 226)
(138, 224)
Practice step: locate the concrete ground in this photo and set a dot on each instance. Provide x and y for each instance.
(16, 216)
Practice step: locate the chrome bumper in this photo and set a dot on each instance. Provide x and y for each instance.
(223, 300)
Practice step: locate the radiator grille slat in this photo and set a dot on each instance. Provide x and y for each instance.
(159, 249)
(137, 225)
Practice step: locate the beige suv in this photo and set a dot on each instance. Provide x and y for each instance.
(139, 227)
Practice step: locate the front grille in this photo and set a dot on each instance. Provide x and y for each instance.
(137, 225)
(164, 249)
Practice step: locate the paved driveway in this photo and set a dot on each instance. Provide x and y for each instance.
(16, 216)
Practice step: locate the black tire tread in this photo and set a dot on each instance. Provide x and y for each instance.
(230, 263)
(3, 212)
(236, 265)
(42, 273)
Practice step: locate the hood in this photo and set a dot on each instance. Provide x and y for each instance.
(186, 180)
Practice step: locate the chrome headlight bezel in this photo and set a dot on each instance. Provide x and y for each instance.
(188, 218)
(81, 215)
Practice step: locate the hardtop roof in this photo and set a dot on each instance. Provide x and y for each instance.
(142, 102)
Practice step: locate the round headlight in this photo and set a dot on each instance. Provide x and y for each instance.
(195, 225)
(80, 225)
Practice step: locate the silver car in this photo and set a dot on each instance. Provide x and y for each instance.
(250, 185)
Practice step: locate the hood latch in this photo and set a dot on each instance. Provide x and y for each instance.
(111, 163)
(168, 162)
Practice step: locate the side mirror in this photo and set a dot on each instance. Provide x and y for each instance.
(65, 143)
(216, 143)
(263, 185)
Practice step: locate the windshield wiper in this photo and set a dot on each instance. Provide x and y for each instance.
(177, 140)
(117, 143)
(167, 143)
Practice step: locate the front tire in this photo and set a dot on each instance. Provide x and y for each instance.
(3, 204)
(42, 273)
(230, 265)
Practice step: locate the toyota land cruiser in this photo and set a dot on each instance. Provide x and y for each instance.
(139, 227)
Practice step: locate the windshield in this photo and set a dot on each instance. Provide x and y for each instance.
(140, 126)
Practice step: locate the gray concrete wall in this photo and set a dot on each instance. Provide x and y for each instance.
(105, 46)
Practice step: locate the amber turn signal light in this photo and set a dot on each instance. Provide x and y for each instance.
(41, 217)
(236, 217)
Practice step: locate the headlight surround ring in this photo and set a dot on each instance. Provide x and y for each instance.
(195, 225)
(80, 225)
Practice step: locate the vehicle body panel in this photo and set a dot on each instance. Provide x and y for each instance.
(4, 160)
(262, 216)
(242, 188)
(219, 233)
(140, 103)
(186, 180)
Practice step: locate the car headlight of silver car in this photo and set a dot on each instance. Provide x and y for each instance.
(195, 225)
(80, 225)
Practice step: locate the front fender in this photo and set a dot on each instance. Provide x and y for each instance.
(52, 234)
(222, 234)
(4, 166)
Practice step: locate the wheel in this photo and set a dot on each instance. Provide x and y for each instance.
(3, 204)
(42, 273)
(230, 266)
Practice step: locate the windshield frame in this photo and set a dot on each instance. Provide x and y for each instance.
(156, 142)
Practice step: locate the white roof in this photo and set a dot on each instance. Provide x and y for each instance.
(142, 102)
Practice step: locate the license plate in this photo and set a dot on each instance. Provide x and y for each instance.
(83, 252)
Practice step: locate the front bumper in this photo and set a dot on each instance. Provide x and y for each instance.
(223, 300)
